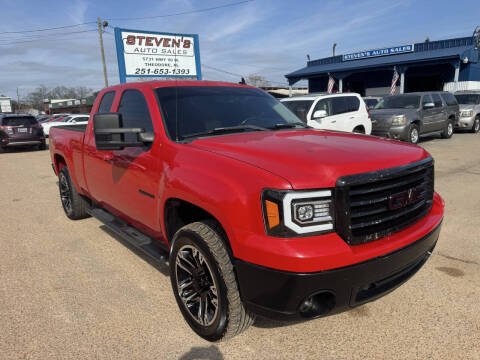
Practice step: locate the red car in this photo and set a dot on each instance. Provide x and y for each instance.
(257, 213)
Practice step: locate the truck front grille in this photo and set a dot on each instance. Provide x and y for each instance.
(377, 204)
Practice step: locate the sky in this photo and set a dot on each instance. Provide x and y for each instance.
(266, 37)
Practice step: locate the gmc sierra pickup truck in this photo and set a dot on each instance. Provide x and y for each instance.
(257, 213)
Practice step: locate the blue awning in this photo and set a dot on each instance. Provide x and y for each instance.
(436, 51)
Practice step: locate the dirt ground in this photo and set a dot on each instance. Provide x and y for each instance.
(72, 289)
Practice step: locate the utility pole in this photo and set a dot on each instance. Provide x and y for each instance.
(100, 34)
(18, 99)
(333, 49)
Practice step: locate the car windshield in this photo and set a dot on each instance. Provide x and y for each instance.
(468, 99)
(19, 121)
(371, 103)
(191, 111)
(399, 102)
(299, 107)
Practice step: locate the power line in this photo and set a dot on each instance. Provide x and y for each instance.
(43, 38)
(183, 13)
(238, 75)
(47, 29)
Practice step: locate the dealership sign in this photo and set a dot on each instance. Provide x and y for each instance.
(379, 52)
(155, 54)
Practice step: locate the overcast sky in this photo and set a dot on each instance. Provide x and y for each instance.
(267, 37)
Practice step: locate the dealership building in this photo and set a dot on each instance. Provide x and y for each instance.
(451, 65)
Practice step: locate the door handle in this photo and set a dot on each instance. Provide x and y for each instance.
(333, 121)
(352, 117)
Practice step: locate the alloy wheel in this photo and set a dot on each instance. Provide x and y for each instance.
(476, 126)
(65, 194)
(196, 285)
(414, 136)
(450, 129)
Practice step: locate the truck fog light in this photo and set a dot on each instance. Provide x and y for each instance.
(305, 212)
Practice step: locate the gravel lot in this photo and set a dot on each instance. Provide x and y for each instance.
(74, 290)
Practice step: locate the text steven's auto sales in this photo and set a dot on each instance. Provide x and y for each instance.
(379, 52)
(158, 45)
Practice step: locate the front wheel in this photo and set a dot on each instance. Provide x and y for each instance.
(448, 131)
(476, 125)
(204, 282)
(413, 134)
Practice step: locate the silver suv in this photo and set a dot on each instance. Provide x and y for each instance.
(469, 102)
(408, 116)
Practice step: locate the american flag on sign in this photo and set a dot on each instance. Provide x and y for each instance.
(331, 84)
(393, 88)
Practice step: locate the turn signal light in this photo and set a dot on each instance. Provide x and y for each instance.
(273, 217)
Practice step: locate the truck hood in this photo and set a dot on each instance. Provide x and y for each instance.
(312, 158)
(466, 107)
(382, 118)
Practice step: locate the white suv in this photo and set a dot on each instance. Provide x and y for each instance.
(342, 112)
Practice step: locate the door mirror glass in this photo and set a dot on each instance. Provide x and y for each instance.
(319, 114)
(428, 105)
(110, 134)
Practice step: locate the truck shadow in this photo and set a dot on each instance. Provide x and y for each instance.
(159, 265)
(202, 353)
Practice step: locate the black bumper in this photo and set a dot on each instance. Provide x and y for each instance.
(280, 294)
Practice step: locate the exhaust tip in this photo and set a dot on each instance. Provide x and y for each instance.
(316, 305)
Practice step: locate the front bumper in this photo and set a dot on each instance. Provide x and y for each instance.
(394, 132)
(464, 122)
(281, 294)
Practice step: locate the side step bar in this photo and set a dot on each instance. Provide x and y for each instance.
(133, 236)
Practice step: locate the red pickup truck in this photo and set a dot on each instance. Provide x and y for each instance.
(256, 212)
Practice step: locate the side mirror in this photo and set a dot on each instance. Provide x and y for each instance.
(428, 105)
(109, 133)
(73, 121)
(319, 114)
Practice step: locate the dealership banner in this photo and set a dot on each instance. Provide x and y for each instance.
(379, 52)
(157, 54)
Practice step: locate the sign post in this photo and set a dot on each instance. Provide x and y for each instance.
(155, 54)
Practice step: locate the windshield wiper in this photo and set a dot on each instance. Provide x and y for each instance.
(287, 126)
(225, 130)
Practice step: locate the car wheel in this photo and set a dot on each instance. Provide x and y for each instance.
(476, 125)
(204, 282)
(42, 146)
(413, 134)
(73, 204)
(448, 131)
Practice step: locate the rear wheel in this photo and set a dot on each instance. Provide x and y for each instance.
(448, 131)
(359, 130)
(42, 146)
(73, 204)
(204, 282)
(476, 125)
(413, 134)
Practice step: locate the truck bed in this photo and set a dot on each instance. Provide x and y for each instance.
(77, 128)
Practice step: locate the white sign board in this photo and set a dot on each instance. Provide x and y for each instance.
(152, 54)
(5, 105)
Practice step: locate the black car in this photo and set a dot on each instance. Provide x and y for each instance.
(20, 130)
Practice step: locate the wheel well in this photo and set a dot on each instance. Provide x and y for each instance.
(178, 213)
(59, 162)
(417, 122)
(359, 127)
(451, 117)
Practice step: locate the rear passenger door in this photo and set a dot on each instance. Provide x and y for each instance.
(428, 114)
(439, 113)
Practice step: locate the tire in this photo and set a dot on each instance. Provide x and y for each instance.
(73, 204)
(359, 130)
(198, 248)
(476, 125)
(448, 131)
(413, 134)
(42, 146)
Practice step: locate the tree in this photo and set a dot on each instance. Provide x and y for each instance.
(257, 80)
(36, 98)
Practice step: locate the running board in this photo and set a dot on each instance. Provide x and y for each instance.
(130, 234)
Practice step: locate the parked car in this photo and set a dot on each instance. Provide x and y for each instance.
(76, 119)
(20, 130)
(371, 101)
(256, 212)
(469, 102)
(343, 112)
(56, 117)
(408, 116)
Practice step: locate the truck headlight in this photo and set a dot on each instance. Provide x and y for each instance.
(295, 213)
(399, 120)
(466, 113)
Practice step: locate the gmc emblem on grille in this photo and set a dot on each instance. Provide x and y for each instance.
(404, 198)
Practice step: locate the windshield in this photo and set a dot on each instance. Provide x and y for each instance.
(468, 99)
(399, 102)
(201, 109)
(19, 121)
(371, 103)
(299, 108)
